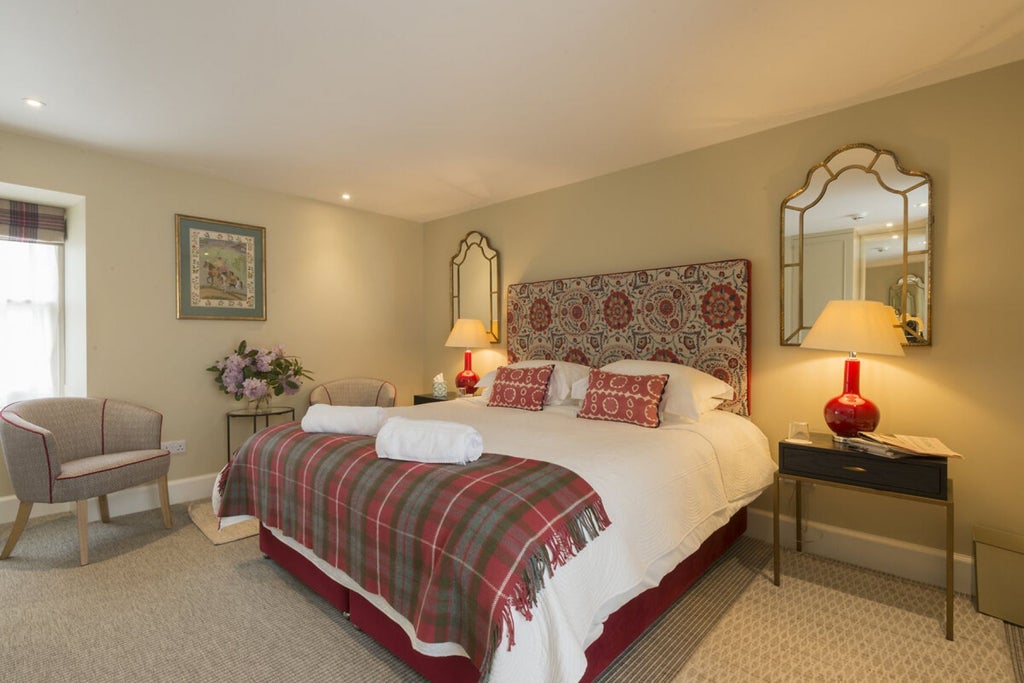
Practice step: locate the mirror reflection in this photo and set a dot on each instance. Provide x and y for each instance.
(859, 228)
(475, 284)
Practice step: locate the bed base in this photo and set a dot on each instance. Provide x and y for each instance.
(621, 629)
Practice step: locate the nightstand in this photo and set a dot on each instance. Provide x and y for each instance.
(824, 462)
(417, 399)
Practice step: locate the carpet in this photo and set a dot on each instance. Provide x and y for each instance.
(668, 643)
(173, 608)
(830, 621)
(1015, 637)
(201, 514)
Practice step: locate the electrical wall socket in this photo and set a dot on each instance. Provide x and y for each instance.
(174, 446)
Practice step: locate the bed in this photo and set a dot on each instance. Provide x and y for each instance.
(674, 496)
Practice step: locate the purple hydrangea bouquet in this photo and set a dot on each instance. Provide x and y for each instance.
(259, 374)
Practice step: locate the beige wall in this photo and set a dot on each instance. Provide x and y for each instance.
(723, 202)
(342, 284)
(341, 289)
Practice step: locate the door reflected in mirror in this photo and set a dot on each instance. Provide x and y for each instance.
(475, 284)
(859, 228)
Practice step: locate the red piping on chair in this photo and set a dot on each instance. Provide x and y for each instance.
(103, 427)
(49, 466)
(161, 454)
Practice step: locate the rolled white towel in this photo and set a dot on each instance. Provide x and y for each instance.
(364, 420)
(434, 441)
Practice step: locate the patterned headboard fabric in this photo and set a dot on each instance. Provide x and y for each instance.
(697, 315)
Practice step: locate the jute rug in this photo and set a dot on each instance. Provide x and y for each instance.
(201, 514)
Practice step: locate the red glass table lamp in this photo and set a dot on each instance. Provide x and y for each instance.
(468, 333)
(856, 327)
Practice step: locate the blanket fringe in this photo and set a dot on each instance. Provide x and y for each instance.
(554, 551)
(502, 626)
(559, 547)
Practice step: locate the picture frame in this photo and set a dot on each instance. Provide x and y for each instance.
(221, 269)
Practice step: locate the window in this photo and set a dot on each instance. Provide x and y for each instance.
(31, 311)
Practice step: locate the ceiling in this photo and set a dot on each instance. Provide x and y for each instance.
(426, 109)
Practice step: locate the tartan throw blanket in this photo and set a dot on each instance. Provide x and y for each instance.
(453, 548)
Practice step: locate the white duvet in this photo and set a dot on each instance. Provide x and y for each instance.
(665, 490)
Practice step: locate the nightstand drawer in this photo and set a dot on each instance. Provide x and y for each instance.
(914, 476)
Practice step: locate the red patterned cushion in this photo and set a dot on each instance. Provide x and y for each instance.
(623, 398)
(523, 388)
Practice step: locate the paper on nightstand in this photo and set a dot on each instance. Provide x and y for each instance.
(913, 445)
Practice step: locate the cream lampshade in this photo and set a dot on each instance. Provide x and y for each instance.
(468, 333)
(854, 327)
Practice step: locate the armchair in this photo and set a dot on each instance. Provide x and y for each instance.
(354, 391)
(71, 449)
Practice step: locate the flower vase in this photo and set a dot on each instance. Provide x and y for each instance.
(257, 405)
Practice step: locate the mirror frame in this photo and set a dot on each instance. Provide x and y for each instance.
(834, 166)
(474, 242)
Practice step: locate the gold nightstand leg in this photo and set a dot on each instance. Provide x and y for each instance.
(775, 528)
(799, 524)
(949, 559)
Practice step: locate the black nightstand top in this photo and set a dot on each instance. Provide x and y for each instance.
(417, 399)
(826, 460)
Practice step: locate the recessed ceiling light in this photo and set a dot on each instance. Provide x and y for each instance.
(888, 225)
(34, 103)
(922, 205)
(346, 196)
(895, 237)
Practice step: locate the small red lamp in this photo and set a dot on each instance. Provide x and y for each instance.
(857, 327)
(468, 333)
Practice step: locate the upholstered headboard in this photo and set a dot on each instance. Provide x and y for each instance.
(697, 315)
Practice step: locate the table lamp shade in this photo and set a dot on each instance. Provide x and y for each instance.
(468, 333)
(854, 327)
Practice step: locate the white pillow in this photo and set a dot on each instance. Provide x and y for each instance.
(579, 388)
(562, 379)
(689, 392)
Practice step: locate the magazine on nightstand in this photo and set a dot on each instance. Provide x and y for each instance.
(901, 445)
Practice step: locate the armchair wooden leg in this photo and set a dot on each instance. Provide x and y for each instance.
(83, 531)
(165, 500)
(19, 525)
(104, 509)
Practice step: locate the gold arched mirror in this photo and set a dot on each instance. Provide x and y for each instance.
(859, 228)
(475, 284)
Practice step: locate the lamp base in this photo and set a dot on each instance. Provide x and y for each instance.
(467, 380)
(849, 414)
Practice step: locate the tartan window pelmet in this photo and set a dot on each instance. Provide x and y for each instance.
(26, 222)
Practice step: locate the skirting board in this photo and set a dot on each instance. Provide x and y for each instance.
(124, 502)
(911, 561)
(887, 555)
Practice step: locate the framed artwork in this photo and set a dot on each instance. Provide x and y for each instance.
(221, 269)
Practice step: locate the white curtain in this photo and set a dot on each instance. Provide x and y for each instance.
(30, 320)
